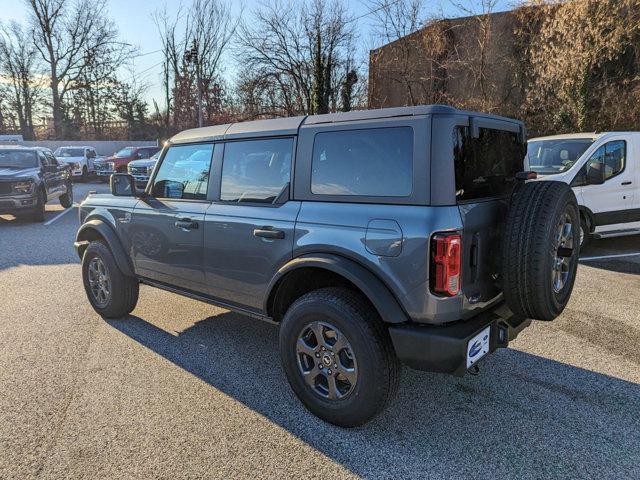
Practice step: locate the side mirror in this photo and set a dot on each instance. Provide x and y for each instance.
(123, 185)
(50, 168)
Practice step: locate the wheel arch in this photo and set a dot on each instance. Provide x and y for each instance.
(311, 271)
(97, 229)
(588, 216)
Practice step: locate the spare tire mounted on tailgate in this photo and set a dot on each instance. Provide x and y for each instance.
(540, 249)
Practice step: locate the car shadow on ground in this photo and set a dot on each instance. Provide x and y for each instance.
(523, 416)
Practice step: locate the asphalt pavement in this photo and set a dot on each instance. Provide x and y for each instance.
(182, 389)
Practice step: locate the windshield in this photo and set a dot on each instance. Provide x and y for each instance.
(547, 157)
(125, 152)
(69, 152)
(18, 159)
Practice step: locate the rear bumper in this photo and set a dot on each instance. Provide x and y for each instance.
(443, 348)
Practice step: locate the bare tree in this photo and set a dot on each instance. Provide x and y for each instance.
(172, 51)
(19, 64)
(66, 33)
(395, 20)
(417, 57)
(193, 53)
(295, 57)
(480, 12)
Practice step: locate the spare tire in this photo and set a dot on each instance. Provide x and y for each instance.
(540, 249)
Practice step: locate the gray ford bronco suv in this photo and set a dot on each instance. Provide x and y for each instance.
(372, 238)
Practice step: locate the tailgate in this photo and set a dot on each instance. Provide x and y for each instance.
(483, 224)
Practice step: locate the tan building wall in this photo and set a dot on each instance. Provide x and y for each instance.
(466, 62)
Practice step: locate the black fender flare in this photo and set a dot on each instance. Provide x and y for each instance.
(370, 285)
(86, 232)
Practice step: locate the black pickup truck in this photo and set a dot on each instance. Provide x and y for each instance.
(29, 178)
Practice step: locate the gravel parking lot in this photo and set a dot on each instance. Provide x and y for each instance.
(185, 390)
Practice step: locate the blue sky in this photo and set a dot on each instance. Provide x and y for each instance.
(133, 18)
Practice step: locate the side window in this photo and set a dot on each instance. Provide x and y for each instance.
(606, 162)
(184, 172)
(486, 166)
(256, 170)
(44, 161)
(370, 162)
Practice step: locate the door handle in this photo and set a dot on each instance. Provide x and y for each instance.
(268, 232)
(186, 224)
(626, 183)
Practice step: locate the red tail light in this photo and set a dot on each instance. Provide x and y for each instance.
(446, 251)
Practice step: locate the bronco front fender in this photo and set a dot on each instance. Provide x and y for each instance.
(97, 229)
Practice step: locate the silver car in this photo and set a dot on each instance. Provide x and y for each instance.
(141, 170)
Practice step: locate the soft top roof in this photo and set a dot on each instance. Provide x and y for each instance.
(291, 125)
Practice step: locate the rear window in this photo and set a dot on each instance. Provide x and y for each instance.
(371, 162)
(486, 166)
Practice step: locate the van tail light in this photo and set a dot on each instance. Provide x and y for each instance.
(446, 251)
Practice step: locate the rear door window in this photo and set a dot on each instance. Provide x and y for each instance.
(256, 171)
(369, 162)
(485, 167)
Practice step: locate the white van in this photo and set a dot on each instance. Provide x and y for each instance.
(604, 171)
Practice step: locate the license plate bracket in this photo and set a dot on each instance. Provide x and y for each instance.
(478, 346)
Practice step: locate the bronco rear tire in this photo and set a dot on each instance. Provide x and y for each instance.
(111, 293)
(338, 356)
(540, 249)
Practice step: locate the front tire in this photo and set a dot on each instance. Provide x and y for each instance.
(66, 200)
(111, 293)
(338, 356)
(39, 210)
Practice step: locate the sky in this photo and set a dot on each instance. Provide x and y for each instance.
(134, 21)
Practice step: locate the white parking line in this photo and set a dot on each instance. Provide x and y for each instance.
(65, 211)
(603, 257)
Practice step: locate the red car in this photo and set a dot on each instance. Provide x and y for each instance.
(119, 161)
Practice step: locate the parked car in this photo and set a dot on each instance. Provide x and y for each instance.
(80, 159)
(119, 161)
(29, 178)
(141, 170)
(604, 171)
(372, 238)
